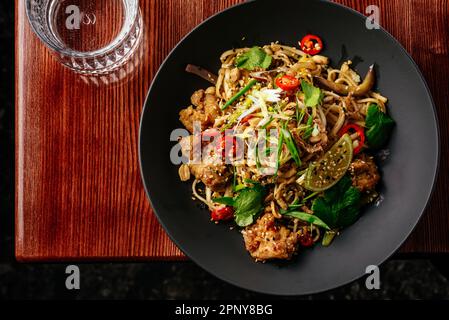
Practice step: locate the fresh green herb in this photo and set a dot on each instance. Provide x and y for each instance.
(239, 94)
(251, 181)
(257, 156)
(299, 113)
(254, 58)
(279, 151)
(378, 127)
(312, 95)
(268, 123)
(296, 202)
(239, 187)
(229, 201)
(291, 146)
(236, 114)
(292, 207)
(267, 152)
(310, 196)
(247, 204)
(309, 128)
(328, 237)
(296, 205)
(309, 218)
(339, 206)
(268, 142)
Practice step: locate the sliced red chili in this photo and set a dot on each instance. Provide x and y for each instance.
(287, 83)
(311, 44)
(226, 143)
(222, 214)
(305, 239)
(360, 132)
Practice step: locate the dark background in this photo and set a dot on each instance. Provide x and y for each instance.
(411, 278)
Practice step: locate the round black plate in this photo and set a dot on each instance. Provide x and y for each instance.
(408, 174)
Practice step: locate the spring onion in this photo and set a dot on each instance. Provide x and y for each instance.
(328, 237)
(309, 218)
(310, 196)
(239, 94)
(299, 114)
(233, 118)
(279, 151)
(257, 156)
(267, 152)
(265, 125)
(309, 129)
(291, 146)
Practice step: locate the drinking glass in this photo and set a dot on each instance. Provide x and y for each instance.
(91, 37)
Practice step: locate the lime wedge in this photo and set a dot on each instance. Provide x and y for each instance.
(326, 172)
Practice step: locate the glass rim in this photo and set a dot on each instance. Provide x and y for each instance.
(124, 32)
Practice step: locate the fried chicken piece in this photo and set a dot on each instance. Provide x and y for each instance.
(191, 115)
(214, 176)
(264, 240)
(364, 173)
(205, 110)
(209, 169)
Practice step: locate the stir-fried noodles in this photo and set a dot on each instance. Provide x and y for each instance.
(285, 145)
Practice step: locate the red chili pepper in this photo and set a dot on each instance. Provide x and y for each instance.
(222, 214)
(287, 83)
(305, 239)
(360, 131)
(227, 143)
(311, 44)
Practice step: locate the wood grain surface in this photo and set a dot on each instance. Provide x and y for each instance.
(79, 195)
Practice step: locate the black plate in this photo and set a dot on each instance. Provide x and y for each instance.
(408, 174)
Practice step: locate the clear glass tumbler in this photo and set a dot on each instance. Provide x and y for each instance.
(88, 36)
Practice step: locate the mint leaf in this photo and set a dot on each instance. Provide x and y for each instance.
(348, 207)
(254, 58)
(378, 127)
(266, 61)
(229, 201)
(340, 205)
(248, 204)
(244, 220)
(312, 95)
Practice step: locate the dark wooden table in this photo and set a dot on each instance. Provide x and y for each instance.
(79, 195)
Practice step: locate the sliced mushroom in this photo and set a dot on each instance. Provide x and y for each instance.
(203, 73)
(332, 86)
(367, 83)
(360, 90)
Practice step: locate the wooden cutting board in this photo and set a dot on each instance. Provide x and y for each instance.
(79, 195)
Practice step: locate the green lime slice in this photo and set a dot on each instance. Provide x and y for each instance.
(326, 172)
